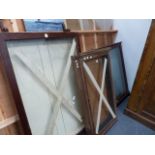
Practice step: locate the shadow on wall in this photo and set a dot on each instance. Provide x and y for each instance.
(133, 34)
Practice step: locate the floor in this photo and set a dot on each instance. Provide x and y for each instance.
(128, 126)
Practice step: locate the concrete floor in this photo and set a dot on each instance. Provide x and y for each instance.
(128, 126)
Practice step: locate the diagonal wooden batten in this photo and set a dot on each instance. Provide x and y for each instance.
(9, 121)
(52, 122)
(100, 100)
(39, 75)
(89, 73)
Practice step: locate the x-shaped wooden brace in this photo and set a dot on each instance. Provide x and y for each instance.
(58, 93)
(100, 91)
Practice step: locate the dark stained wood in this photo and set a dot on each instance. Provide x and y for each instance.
(141, 104)
(106, 50)
(88, 93)
(144, 69)
(34, 35)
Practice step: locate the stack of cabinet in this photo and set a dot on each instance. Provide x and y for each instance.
(9, 120)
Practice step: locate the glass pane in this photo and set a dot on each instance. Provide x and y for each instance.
(117, 73)
(33, 60)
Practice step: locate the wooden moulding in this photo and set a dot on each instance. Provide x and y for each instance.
(90, 96)
(94, 31)
(140, 118)
(8, 68)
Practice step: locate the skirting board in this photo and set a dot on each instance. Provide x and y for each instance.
(140, 118)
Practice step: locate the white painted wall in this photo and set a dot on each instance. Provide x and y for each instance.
(133, 34)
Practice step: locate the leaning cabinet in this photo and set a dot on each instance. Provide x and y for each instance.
(141, 104)
(40, 75)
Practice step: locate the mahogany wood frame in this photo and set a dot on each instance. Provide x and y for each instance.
(88, 116)
(5, 61)
(106, 50)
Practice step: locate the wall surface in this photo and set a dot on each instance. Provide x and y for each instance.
(133, 34)
(104, 24)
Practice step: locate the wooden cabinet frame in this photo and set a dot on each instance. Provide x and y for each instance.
(8, 68)
(143, 90)
(80, 72)
(106, 50)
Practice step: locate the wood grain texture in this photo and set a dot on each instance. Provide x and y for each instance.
(102, 39)
(89, 94)
(20, 24)
(7, 105)
(142, 101)
(9, 23)
(115, 51)
(92, 37)
(143, 70)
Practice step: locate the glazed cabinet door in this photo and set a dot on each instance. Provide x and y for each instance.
(46, 84)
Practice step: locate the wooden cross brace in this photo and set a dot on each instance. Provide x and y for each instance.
(100, 91)
(56, 92)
